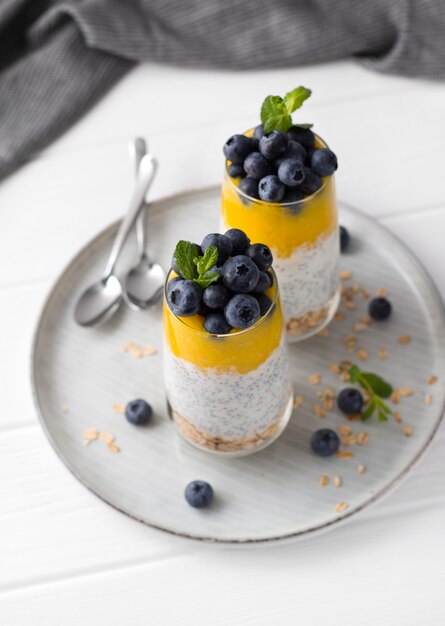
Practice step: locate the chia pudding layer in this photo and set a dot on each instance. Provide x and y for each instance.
(309, 280)
(229, 411)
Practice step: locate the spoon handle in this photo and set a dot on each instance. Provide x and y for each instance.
(138, 148)
(147, 170)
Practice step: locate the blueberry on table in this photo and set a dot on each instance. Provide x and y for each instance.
(350, 401)
(240, 274)
(311, 183)
(302, 135)
(344, 239)
(249, 186)
(325, 442)
(264, 301)
(198, 494)
(258, 132)
(138, 412)
(379, 309)
(323, 162)
(221, 243)
(264, 282)
(271, 189)
(242, 311)
(216, 324)
(236, 171)
(239, 240)
(257, 166)
(216, 296)
(274, 144)
(261, 255)
(237, 148)
(184, 297)
(291, 172)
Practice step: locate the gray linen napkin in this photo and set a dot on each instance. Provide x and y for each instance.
(58, 57)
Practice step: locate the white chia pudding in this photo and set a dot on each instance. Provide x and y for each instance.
(229, 410)
(309, 278)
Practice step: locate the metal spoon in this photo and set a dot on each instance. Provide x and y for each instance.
(144, 282)
(100, 301)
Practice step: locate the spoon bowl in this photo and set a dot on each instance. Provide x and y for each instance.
(144, 284)
(99, 302)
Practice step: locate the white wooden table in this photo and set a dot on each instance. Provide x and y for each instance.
(66, 558)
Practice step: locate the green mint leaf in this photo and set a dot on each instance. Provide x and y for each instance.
(377, 384)
(295, 98)
(369, 410)
(207, 279)
(206, 262)
(306, 126)
(184, 254)
(274, 115)
(354, 373)
(382, 416)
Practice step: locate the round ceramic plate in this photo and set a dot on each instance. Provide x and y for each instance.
(79, 374)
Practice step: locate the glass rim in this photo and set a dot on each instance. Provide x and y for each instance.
(262, 318)
(326, 181)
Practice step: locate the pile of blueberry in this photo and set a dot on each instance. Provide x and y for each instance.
(277, 166)
(237, 299)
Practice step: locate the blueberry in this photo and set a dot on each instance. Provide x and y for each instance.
(291, 172)
(344, 238)
(379, 309)
(198, 494)
(325, 442)
(221, 242)
(240, 274)
(350, 401)
(261, 255)
(258, 132)
(311, 183)
(239, 240)
(255, 144)
(184, 297)
(204, 309)
(294, 151)
(264, 301)
(263, 283)
(242, 311)
(271, 189)
(216, 296)
(323, 162)
(293, 194)
(215, 323)
(302, 135)
(236, 171)
(256, 166)
(138, 412)
(237, 148)
(249, 186)
(274, 144)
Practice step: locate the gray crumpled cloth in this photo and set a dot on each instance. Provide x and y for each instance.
(57, 58)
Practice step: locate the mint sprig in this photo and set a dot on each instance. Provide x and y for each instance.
(195, 267)
(378, 390)
(276, 112)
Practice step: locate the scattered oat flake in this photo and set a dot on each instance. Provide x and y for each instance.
(344, 454)
(337, 481)
(366, 320)
(345, 430)
(362, 354)
(362, 438)
(341, 506)
(382, 352)
(429, 399)
(335, 368)
(382, 292)
(344, 376)
(119, 408)
(407, 431)
(137, 352)
(91, 434)
(345, 274)
(395, 397)
(432, 380)
(350, 305)
(324, 480)
(398, 417)
(364, 294)
(329, 392)
(324, 332)
(106, 437)
(403, 339)
(328, 403)
(354, 417)
(318, 411)
(298, 401)
(65, 409)
(359, 327)
(361, 469)
(149, 351)
(113, 447)
(405, 392)
(314, 379)
(339, 316)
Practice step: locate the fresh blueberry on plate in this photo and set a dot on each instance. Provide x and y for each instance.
(239, 240)
(261, 255)
(198, 494)
(344, 239)
(237, 148)
(221, 243)
(325, 442)
(291, 172)
(138, 412)
(271, 189)
(350, 401)
(257, 166)
(379, 309)
(249, 186)
(216, 324)
(184, 297)
(242, 311)
(216, 296)
(274, 144)
(240, 274)
(323, 162)
(236, 170)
